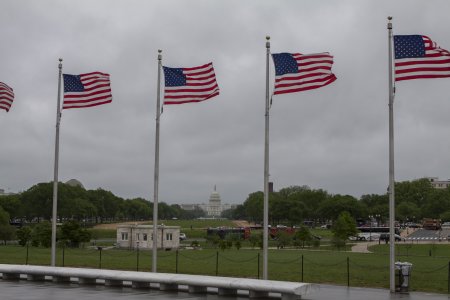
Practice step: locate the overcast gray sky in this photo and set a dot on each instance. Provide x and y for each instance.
(334, 138)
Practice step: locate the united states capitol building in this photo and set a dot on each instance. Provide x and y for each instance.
(213, 208)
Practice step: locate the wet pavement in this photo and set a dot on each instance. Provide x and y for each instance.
(26, 290)
(331, 292)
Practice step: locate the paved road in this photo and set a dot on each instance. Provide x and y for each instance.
(429, 235)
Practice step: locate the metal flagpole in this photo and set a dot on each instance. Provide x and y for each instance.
(55, 171)
(391, 165)
(266, 169)
(156, 177)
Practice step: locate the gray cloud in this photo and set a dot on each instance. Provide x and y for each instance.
(334, 138)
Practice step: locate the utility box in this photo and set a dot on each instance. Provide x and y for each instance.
(403, 276)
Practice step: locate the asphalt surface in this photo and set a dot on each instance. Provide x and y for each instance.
(429, 235)
(330, 292)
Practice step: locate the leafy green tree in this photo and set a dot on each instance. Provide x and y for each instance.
(42, 235)
(412, 191)
(237, 244)
(306, 202)
(191, 214)
(24, 235)
(437, 201)
(227, 214)
(343, 228)
(12, 205)
(283, 239)
(7, 233)
(255, 239)
(37, 201)
(76, 208)
(406, 210)
(337, 204)
(238, 213)
(4, 217)
(445, 216)
(73, 203)
(279, 209)
(213, 240)
(226, 243)
(165, 211)
(254, 206)
(108, 205)
(137, 209)
(302, 236)
(73, 235)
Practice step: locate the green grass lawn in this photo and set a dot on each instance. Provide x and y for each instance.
(429, 273)
(186, 224)
(196, 224)
(194, 229)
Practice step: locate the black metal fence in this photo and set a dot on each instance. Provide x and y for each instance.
(303, 266)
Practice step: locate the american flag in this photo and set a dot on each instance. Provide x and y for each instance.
(184, 85)
(417, 56)
(295, 72)
(6, 96)
(86, 90)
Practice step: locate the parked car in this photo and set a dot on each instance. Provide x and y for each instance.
(446, 225)
(182, 236)
(412, 225)
(364, 236)
(385, 237)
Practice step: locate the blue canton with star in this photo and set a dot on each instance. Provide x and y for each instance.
(409, 46)
(284, 63)
(174, 76)
(72, 83)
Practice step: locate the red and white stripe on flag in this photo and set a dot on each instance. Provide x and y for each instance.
(433, 62)
(6, 96)
(86, 90)
(312, 71)
(198, 84)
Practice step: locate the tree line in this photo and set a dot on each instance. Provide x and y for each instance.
(293, 205)
(87, 206)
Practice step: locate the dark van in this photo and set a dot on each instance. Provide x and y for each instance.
(385, 237)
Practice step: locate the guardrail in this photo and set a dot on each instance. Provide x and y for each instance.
(225, 286)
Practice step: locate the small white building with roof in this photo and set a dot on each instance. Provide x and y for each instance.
(141, 236)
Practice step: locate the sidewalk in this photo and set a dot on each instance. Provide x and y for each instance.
(353, 293)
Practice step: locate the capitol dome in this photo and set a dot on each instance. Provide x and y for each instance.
(214, 199)
(214, 207)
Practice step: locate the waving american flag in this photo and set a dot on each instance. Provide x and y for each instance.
(86, 90)
(6, 96)
(417, 56)
(184, 85)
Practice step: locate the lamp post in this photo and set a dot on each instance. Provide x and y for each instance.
(162, 236)
(377, 217)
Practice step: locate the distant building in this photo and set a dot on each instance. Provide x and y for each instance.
(3, 193)
(213, 208)
(74, 183)
(141, 236)
(190, 206)
(439, 184)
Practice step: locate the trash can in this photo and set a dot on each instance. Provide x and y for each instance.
(403, 270)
